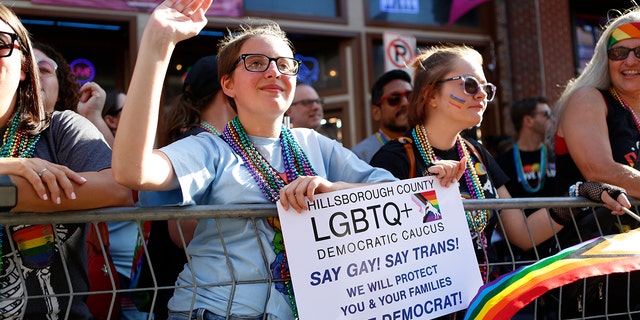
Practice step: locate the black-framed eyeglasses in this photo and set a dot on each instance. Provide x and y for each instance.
(621, 53)
(309, 102)
(471, 85)
(394, 99)
(546, 113)
(255, 62)
(7, 43)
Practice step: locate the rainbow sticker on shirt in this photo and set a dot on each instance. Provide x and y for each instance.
(36, 245)
(429, 202)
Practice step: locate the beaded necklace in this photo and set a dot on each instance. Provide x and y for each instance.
(270, 182)
(209, 128)
(382, 138)
(625, 105)
(477, 219)
(542, 172)
(16, 144)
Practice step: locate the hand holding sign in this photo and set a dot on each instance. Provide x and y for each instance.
(381, 252)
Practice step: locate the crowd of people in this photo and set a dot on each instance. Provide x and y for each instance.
(245, 132)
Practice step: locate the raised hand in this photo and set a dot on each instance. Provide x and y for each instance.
(92, 98)
(182, 19)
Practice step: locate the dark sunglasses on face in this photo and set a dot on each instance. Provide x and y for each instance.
(471, 85)
(394, 99)
(621, 53)
(546, 113)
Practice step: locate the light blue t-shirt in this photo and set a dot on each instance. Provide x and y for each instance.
(209, 172)
(366, 148)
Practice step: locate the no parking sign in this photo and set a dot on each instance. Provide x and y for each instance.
(399, 51)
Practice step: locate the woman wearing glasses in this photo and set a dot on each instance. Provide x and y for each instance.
(255, 160)
(450, 94)
(597, 135)
(58, 163)
(62, 91)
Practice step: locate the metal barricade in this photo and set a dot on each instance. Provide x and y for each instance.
(254, 212)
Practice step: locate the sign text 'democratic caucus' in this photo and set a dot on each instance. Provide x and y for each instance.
(398, 250)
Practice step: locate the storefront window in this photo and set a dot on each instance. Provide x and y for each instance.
(95, 50)
(321, 66)
(321, 8)
(418, 12)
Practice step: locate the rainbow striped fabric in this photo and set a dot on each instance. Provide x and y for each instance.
(625, 31)
(503, 297)
(424, 199)
(36, 244)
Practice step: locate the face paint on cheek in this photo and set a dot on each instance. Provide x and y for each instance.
(456, 101)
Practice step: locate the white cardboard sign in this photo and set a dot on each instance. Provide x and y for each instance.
(398, 250)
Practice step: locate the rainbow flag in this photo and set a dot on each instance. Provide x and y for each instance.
(424, 199)
(431, 197)
(503, 297)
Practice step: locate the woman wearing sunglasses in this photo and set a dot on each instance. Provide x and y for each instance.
(597, 134)
(451, 94)
(256, 159)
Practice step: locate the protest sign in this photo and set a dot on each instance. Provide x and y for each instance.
(398, 250)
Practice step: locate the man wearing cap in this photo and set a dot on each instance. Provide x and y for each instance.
(389, 102)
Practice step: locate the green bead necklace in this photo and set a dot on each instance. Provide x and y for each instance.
(16, 144)
(209, 128)
(296, 164)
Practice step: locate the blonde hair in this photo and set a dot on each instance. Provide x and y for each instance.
(596, 73)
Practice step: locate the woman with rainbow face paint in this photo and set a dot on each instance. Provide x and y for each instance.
(451, 94)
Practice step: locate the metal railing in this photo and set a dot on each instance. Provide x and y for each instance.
(253, 212)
